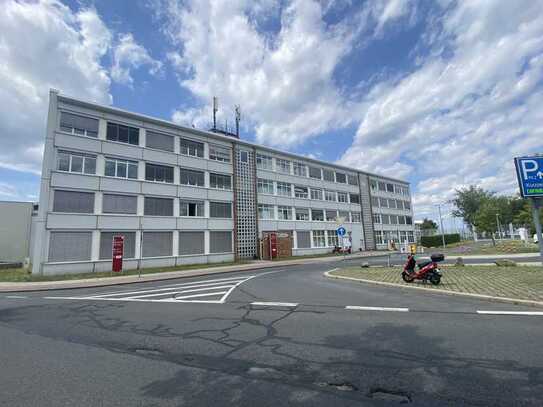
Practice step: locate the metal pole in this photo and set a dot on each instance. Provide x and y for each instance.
(498, 225)
(441, 223)
(536, 204)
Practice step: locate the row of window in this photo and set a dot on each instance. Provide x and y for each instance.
(389, 187)
(316, 238)
(85, 126)
(377, 202)
(266, 186)
(386, 236)
(76, 246)
(266, 162)
(86, 164)
(83, 202)
(268, 212)
(386, 219)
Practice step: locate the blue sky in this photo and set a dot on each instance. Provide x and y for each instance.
(442, 94)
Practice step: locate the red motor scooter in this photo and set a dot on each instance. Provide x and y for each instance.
(427, 271)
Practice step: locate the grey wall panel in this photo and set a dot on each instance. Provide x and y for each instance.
(183, 260)
(122, 150)
(161, 157)
(191, 192)
(305, 252)
(152, 188)
(105, 265)
(302, 225)
(322, 204)
(220, 224)
(215, 194)
(220, 258)
(191, 162)
(15, 234)
(118, 222)
(267, 225)
(69, 142)
(68, 221)
(267, 199)
(192, 223)
(67, 268)
(70, 180)
(285, 201)
(120, 185)
(286, 225)
(158, 222)
(220, 167)
(159, 262)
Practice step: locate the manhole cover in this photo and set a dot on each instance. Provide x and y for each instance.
(399, 397)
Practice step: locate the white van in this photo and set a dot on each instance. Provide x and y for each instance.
(535, 238)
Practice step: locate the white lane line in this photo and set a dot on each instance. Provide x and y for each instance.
(184, 298)
(359, 308)
(223, 299)
(275, 304)
(220, 287)
(15, 296)
(532, 313)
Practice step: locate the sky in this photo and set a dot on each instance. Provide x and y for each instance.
(440, 93)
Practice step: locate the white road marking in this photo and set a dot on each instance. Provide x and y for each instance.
(275, 304)
(172, 293)
(15, 296)
(360, 308)
(533, 313)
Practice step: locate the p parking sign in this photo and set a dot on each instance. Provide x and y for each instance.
(530, 176)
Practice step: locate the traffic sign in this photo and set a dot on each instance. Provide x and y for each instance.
(341, 231)
(530, 175)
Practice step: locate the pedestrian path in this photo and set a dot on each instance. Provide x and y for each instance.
(214, 291)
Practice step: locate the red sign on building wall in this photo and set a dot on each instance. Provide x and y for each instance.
(273, 245)
(117, 252)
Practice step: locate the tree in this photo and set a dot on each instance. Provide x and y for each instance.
(468, 201)
(428, 224)
(524, 218)
(490, 209)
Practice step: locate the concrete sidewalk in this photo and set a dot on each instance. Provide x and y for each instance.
(108, 281)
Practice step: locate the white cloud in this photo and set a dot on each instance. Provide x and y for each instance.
(129, 55)
(471, 105)
(45, 45)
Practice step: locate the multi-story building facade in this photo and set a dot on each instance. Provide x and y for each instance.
(181, 195)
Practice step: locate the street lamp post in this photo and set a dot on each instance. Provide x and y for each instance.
(441, 224)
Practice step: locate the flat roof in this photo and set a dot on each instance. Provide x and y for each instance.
(210, 134)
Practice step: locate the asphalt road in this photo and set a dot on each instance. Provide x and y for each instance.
(152, 345)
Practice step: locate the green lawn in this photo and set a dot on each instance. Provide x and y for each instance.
(486, 247)
(22, 275)
(522, 282)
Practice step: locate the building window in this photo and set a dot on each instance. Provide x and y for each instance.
(377, 218)
(264, 162)
(390, 188)
(373, 185)
(354, 198)
(73, 202)
(220, 210)
(284, 189)
(382, 186)
(385, 219)
(191, 208)
(300, 192)
(356, 217)
(407, 205)
(303, 239)
(317, 215)
(264, 186)
(158, 173)
(316, 194)
(121, 168)
(74, 162)
(284, 213)
(399, 204)
(328, 175)
(157, 244)
(401, 219)
(70, 246)
(158, 206)
(315, 172)
(319, 239)
(408, 220)
(106, 244)
(191, 178)
(330, 196)
(342, 197)
(80, 125)
(283, 165)
(383, 202)
(191, 148)
(124, 204)
(299, 169)
(331, 216)
(218, 153)
(244, 156)
(378, 237)
(159, 141)
(332, 238)
(343, 216)
(352, 179)
(220, 242)
(341, 178)
(191, 243)
(266, 211)
(220, 181)
(410, 236)
(374, 202)
(123, 134)
(302, 214)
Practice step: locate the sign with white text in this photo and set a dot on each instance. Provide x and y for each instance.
(530, 176)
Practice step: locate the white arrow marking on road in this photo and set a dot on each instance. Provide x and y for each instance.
(359, 308)
(533, 313)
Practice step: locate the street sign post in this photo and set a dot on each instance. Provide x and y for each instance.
(341, 232)
(117, 253)
(530, 179)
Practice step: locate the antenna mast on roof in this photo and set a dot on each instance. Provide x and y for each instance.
(215, 109)
(238, 118)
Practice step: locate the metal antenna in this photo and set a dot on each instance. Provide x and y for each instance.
(215, 110)
(238, 118)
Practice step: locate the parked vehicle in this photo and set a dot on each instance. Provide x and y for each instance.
(342, 250)
(535, 238)
(426, 271)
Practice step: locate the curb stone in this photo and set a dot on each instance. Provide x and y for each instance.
(437, 291)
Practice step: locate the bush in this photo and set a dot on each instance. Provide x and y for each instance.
(505, 263)
(435, 241)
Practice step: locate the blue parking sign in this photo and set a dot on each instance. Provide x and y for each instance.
(530, 175)
(341, 231)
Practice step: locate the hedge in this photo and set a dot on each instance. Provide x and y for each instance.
(435, 241)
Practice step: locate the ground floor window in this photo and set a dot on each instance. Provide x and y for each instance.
(220, 242)
(379, 237)
(303, 239)
(319, 239)
(191, 243)
(332, 238)
(70, 246)
(106, 244)
(157, 244)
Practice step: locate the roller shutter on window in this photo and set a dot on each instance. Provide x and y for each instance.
(159, 141)
(304, 239)
(70, 246)
(220, 242)
(191, 243)
(119, 204)
(73, 202)
(155, 244)
(158, 206)
(69, 121)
